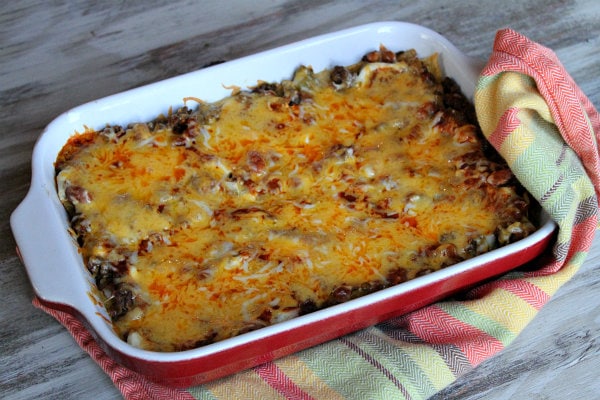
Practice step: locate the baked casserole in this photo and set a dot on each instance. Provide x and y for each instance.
(221, 218)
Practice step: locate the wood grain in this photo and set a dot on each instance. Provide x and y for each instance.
(56, 55)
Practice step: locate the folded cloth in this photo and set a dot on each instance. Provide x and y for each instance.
(543, 125)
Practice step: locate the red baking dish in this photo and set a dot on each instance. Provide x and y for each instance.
(61, 281)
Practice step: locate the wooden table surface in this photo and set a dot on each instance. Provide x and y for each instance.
(56, 55)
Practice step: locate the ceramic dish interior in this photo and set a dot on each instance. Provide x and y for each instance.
(60, 279)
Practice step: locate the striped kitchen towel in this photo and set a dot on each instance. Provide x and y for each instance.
(546, 128)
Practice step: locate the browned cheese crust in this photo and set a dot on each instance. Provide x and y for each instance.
(283, 199)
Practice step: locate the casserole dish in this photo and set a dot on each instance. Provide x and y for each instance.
(40, 225)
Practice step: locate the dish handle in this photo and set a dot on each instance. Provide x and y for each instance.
(38, 247)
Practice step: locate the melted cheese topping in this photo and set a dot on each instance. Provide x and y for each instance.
(269, 208)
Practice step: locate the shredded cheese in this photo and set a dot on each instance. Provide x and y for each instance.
(269, 207)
